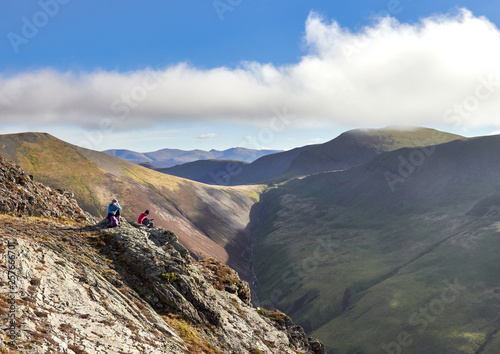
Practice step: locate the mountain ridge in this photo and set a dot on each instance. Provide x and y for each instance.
(349, 149)
(165, 158)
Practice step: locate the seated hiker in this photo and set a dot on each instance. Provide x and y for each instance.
(144, 220)
(114, 213)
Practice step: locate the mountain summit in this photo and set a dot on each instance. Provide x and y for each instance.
(350, 149)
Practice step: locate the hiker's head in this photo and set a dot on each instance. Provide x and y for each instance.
(146, 212)
(114, 201)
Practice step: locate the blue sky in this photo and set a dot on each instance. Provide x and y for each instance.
(261, 74)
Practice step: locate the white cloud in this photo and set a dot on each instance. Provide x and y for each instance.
(441, 70)
(207, 136)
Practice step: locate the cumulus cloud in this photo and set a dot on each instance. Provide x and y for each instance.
(443, 69)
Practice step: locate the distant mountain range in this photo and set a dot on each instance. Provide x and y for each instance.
(171, 157)
(349, 149)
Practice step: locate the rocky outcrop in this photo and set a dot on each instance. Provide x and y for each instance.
(20, 195)
(155, 265)
(70, 288)
(295, 333)
(222, 277)
(65, 307)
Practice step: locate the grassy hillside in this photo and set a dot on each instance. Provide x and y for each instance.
(211, 221)
(350, 149)
(397, 254)
(207, 171)
(356, 147)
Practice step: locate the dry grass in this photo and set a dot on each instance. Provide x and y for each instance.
(190, 335)
(218, 274)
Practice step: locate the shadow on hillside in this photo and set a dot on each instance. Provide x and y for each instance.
(241, 250)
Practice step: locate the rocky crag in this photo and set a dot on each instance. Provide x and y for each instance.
(68, 286)
(20, 195)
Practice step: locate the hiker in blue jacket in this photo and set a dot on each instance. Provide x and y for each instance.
(114, 210)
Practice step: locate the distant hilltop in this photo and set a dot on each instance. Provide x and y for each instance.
(171, 157)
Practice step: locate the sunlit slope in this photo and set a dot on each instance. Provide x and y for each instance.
(356, 147)
(398, 253)
(350, 149)
(209, 220)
